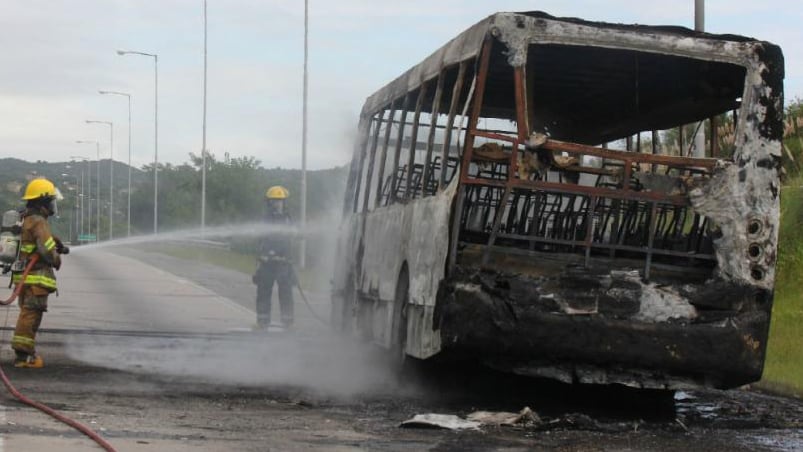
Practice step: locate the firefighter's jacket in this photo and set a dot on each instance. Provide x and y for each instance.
(37, 239)
(276, 245)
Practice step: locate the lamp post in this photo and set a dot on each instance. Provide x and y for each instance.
(155, 131)
(111, 175)
(75, 216)
(91, 200)
(203, 142)
(128, 214)
(699, 137)
(303, 257)
(97, 214)
(89, 173)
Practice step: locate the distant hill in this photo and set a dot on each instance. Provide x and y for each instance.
(235, 192)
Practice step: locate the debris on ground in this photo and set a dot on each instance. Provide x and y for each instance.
(525, 417)
(444, 421)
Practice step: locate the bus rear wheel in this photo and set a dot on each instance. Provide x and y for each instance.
(401, 299)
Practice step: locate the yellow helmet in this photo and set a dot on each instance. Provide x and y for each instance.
(277, 192)
(40, 188)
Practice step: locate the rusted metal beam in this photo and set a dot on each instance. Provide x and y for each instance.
(363, 149)
(495, 136)
(482, 76)
(500, 213)
(422, 93)
(650, 240)
(433, 121)
(384, 155)
(654, 140)
(372, 161)
(521, 103)
(575, 148)
(678, 200)
(589, 239)
(574, 258)
(394, 183)
(453, 106)
(599, 245)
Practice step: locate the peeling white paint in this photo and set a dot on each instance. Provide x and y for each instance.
(659, 304)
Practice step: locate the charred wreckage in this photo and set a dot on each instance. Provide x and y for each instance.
(528, 196)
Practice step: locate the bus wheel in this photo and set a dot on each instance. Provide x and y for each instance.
(402, 297)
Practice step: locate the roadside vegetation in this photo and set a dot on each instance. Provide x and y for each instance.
(784, 366)
(783, 370)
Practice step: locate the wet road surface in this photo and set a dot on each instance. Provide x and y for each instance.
(164, 360)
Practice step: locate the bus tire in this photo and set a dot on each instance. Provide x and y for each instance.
(400, 301)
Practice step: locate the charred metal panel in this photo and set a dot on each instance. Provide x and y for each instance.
(742, 196)
(415, 233)
(607, 326)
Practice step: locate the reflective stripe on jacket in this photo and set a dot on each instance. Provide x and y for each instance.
(43, 278)
(36, 238)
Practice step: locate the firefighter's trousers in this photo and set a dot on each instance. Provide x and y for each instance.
(268, 273)
(32, 308)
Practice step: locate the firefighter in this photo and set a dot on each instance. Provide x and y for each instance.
(40, 196)
(274, 260)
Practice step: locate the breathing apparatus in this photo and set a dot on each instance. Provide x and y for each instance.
(10, 238)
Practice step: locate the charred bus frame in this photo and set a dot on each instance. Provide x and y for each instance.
(525, 243)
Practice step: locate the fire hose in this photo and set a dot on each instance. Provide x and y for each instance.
(94, 436)
(304, 296)
(18, 290)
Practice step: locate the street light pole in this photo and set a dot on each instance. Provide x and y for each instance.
(74, 217)
(83, 192)
(111, 175)
(128, 96)
(203, 142)
(699, 25)
(89, 187)
(302, 257)
(155, 132)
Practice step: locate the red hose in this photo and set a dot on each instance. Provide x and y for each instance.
(20, 285)
(40, 406)
(55, 414)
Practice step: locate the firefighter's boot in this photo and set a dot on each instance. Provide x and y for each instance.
(30, 362)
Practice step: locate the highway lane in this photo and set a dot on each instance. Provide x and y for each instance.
(164, 359)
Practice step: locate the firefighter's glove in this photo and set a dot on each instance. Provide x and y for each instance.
(62, 249)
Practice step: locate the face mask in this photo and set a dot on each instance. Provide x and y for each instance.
(276, 205)
(53, 205)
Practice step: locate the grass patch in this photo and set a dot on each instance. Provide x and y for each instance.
(221, 257)
(230, 259)
(784, 365)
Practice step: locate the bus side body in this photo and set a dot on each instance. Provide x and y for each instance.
(538, 206)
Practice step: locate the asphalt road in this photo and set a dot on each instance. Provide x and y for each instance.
(156, 353)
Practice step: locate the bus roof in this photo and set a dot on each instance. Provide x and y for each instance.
(524, 28)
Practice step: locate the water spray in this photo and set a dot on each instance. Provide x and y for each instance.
(256, 229)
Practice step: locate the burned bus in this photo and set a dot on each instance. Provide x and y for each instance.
(528, 196)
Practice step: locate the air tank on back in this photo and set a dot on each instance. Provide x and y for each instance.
(9, 239)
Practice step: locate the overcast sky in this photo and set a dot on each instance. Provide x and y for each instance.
(56, 55)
